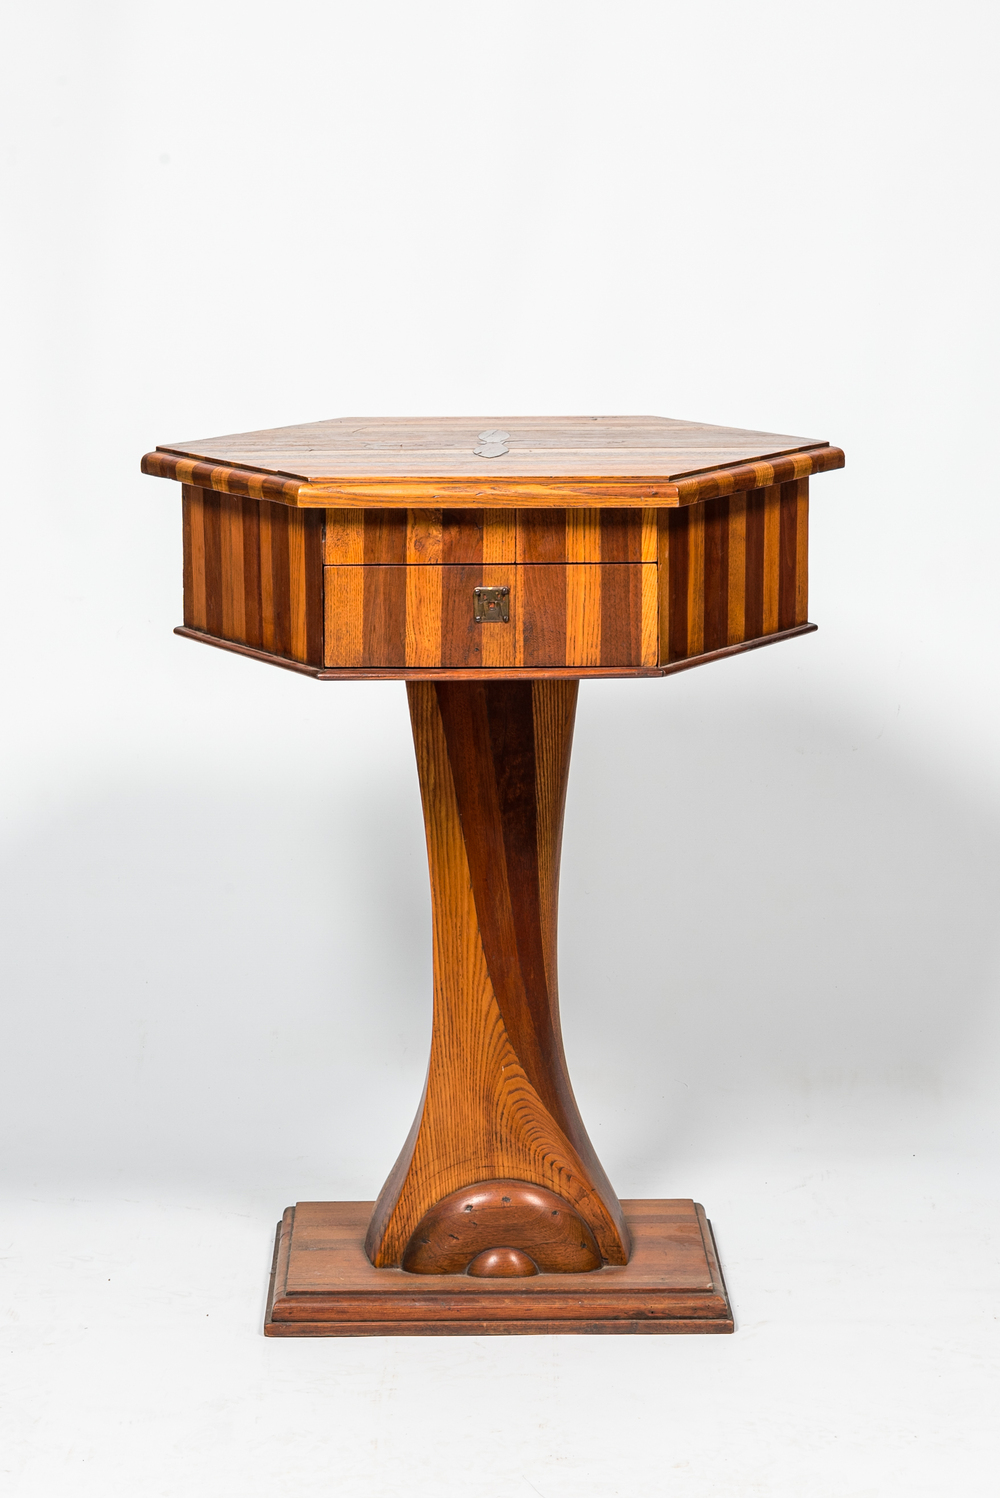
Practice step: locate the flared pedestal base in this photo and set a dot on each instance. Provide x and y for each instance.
(322, 1284)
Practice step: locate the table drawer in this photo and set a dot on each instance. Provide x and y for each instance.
(574, 615)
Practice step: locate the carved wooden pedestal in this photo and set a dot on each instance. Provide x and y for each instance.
(497, 1215)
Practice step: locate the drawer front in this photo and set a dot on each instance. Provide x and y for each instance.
(574, 615)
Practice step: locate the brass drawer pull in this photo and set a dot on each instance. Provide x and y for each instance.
(491, 605)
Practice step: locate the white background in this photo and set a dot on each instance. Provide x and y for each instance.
(778, 929)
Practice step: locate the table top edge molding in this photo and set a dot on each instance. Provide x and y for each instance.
(556, 491)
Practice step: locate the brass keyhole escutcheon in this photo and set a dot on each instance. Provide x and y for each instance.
(491, 605)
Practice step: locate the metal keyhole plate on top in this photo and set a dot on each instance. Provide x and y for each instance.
(492, 444)
(491, 605)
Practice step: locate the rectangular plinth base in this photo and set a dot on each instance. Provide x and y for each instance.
(323, 1285)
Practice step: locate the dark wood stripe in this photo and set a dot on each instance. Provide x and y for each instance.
(677, 584)
(787, 555)
(232, 586)
(314, 585)
(462, 536)
(385, 537)
(716, 574)
(461, 636)
(541, 536)
(251, 574)
(621, 535)
(490, 734)
(754, 591)
(280, 579)
(542, 614)
(384, 615)
(621, 616)
(213, 567)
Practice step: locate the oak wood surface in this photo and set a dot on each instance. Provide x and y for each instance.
(430, 463)
(493, 762)
(324, 1285)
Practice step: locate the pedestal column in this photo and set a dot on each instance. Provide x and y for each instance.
(497, 1176)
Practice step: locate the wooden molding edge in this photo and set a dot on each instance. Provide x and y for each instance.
(487, 673)
(557, 492)
(247, 482)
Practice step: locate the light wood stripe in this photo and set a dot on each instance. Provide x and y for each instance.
(423, 616)
(199, 605)
(297, 585)
(344, 541)
(802, 554)
(344, 598)
(423, 537)
(498, 642)
(737, 568)
(663, 581)
(648, 549)
(499, 537)
(583, 615)
(650, 621)
(583, 537)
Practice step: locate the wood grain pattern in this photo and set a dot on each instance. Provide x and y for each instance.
(324, 1286)
(570, 614)
(253, 574)
(493, 761)
(562, 462)
(733, 570)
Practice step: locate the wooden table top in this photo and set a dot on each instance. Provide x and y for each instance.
(420, 460)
